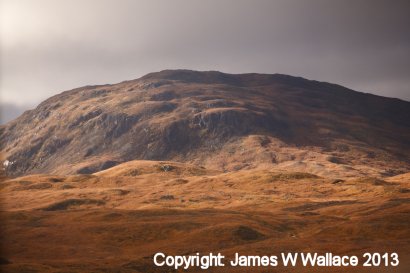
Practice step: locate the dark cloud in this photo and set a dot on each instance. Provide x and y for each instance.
(48, 46)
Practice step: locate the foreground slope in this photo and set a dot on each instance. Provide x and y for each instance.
(222, 121)
(117, 219)
(162, 184)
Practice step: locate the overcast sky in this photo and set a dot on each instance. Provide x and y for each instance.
(48, 46)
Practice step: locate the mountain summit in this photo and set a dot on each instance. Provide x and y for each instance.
(218, 120)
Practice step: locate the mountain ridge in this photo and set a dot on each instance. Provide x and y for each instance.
(211, 118)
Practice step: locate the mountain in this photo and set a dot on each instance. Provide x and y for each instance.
(221, 121)
(101, 178)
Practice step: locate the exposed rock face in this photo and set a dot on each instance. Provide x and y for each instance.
(224, 121)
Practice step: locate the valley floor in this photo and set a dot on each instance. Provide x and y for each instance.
(116, 220)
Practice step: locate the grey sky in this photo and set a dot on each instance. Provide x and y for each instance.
(48, 46)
